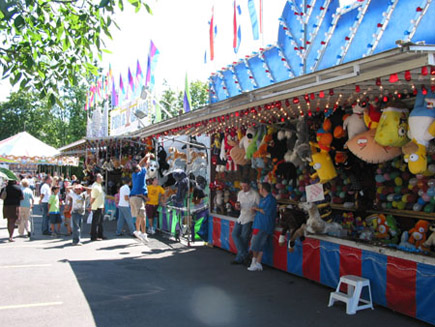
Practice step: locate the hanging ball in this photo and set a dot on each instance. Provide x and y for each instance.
(429, 208)
(417, 207)
(398, 181)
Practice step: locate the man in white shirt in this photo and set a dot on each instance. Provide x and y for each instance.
(97, 206)
(247, 199)
(124, 209)
(43, 200)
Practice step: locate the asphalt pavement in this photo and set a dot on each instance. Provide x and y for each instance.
(44, 281)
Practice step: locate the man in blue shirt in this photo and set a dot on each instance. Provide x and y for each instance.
(264, 221)
(139, 195)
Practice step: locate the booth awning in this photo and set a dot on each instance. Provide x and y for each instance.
(25, 145)
(392, 74)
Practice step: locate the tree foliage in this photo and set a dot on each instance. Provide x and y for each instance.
(172, 100)
(48, 45)
(57, 126)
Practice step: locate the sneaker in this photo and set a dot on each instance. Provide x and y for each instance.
(53, 234)
(150, 230)
(29, 234)
(256, 267)
(136, 234)
(144, 237)
(77, 244)
(153, 230)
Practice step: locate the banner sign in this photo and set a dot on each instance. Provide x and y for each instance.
(124, 120)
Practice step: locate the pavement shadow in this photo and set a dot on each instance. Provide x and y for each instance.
(198, 287)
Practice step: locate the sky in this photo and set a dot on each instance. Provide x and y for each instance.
(180, 31)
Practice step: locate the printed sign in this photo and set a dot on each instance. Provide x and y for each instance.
(123, 119)
(315, 192)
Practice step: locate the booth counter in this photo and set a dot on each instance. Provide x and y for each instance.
(400, 281)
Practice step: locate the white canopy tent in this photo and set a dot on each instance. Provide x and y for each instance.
(25, 145)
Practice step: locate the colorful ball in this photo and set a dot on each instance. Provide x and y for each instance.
(417, 207)
(398, 181)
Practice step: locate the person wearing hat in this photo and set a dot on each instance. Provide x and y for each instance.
(77, 201)
(124, 208)
(139, 196)
(247, 199)
(97, 206)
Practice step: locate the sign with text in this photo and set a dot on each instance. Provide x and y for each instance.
(315, 192)
(124, 120)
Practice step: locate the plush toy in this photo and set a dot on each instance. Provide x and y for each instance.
(302, 146)
(372, 115)
(287, 171)
(386, 229)
(162, 160)
(417, 235)
(152, 170)
(315, 224)
(430, 242)
(218, 202)
(393, 125)
(292, 221)
(277, 148)
(182, 185)
(421, 130)
(248, 140)
(322, 163)
(230, 141)
(354, 124)
(367, 149)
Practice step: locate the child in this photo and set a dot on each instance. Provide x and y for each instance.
(154, 190)
(67, 215)
(53, 210)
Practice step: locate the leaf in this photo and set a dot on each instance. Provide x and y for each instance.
(19, 21)
(148, 8)
(103, 3)
(52, 99)
(121, 5)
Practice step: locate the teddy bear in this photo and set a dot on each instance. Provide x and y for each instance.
(417, 235)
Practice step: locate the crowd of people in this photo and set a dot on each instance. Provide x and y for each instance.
(70, 202)
(136, 198)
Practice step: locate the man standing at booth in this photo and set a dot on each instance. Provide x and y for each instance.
(247, 198)
(139, 196)
(264, 221)
(45, 195)
(97, 205)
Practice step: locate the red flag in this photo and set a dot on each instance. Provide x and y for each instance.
(235, 26)
(212, 35)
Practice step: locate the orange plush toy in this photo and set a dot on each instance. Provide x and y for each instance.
(417, 235)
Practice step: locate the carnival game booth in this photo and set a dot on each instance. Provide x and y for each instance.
(381, 207)
(182, 161)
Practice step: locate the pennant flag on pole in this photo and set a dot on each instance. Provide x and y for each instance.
(237, 29)
(121, 84)
(114, 95)
(130, 79)
(254, 19)
(151, 65)
(212, 32)
(187, 102)
(234, 26)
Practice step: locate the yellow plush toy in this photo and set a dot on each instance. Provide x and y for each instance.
(322, 163)
(393, 125)
(421, 131)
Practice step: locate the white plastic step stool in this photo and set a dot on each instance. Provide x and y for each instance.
(352, 298)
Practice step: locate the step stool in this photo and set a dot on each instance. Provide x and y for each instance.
(352, 298)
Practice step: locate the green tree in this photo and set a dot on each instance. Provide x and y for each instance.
(57, 126)
(198, 94)
(48, 45)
